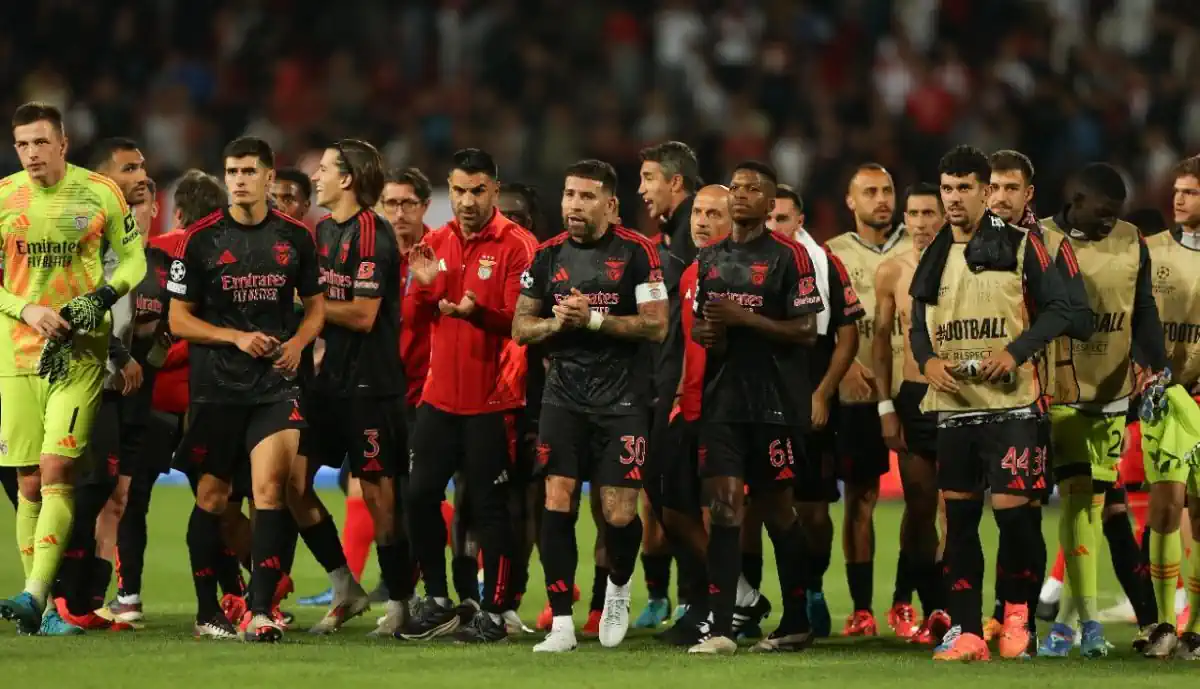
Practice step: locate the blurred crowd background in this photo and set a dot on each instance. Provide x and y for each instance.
(813, 86)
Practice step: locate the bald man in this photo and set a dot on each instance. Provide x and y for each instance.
(675, 492)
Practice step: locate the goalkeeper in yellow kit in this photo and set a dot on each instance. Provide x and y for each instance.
(55, 221)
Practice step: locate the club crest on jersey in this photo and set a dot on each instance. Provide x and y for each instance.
(616, 267)
(81, 222)
(486, 264)
(713, 272)
(758, 274)
(345, 253)
(283, 253)
(161, 273)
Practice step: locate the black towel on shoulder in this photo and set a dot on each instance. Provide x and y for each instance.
(992, 247)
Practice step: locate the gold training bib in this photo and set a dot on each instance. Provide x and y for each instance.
(977, 314)
(1099, 370)
(861, 262)
(1176, 285)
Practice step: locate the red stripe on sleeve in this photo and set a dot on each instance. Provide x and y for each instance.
(1040, 249)
(642, 241)
(799, 254)
(843, 274)
(1068, 252)
(207, 221)
(366, 235)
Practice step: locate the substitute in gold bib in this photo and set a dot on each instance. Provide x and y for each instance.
(1174, 483)
(984, 389)
(863, 456)
(1094, 381)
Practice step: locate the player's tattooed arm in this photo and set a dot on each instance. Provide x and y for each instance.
(530, 328)
(650, 323)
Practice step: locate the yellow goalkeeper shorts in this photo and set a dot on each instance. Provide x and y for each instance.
(1085, 444)
(43, 419)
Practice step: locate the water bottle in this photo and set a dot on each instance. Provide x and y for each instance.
(157, 355)
(969, 370)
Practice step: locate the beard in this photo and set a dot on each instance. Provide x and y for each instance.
(874, 224)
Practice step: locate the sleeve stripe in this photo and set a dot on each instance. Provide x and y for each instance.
(1067, 252)
(94, 177)
(843, 274)
(290, 219)
(553, 241)
(799, 254)
(205, 222)
(529, 243)
(366, 235)
(1043, 256)
(642, 241)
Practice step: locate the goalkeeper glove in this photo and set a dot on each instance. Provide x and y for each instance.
(54, 363)
(85, 313)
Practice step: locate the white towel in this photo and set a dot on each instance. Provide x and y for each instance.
(820, 261)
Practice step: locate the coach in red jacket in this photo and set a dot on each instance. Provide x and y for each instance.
(469, 271)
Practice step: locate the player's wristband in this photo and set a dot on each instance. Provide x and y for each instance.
(886, 407)
(595, 320)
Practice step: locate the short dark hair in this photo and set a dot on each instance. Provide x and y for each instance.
(197, 195)
(784, 191)
(103, 150)
(251, 146)
(675, 158)
(525, 191)
(36, 111)
(761, 168)
(1103, 179)
(414, 178)
(923, 189)
(597, 170)
(530, 196)
(1007, 160)
(363, 163)
(297, 177)
(1188, 167)
(474, 161)
(1149, 221)
(964, 161)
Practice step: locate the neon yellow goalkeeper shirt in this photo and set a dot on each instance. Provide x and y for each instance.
(53, 240)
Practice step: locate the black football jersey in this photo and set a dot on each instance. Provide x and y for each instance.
(360, 258)
(591, 372)
(668, 356)
(753, 379)
(150, 297)
(245, 278)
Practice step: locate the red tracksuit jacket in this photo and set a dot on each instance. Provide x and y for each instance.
(474, 366)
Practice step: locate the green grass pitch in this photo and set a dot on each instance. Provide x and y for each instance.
(164, 655)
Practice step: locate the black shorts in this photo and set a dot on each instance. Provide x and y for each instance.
(606, 450)
(678, 477)
(863, 455)
(154, 442)
(481, 446)
(366, 432)
(1005, 457)
(104, 457)
(816, 473)
(220, 437)
(764, 455)
(920, 429)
